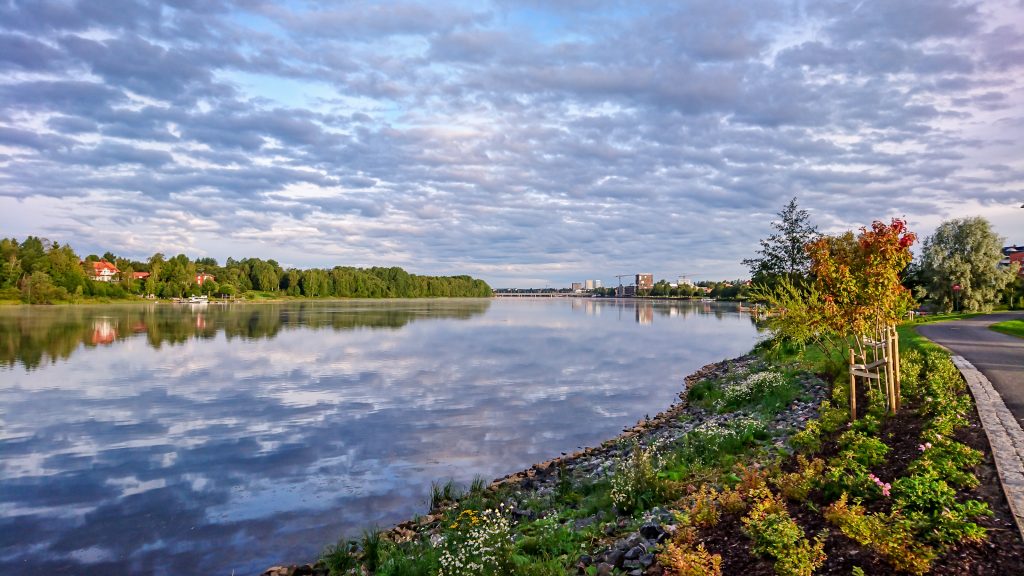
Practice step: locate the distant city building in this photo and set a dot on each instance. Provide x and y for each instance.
(684, 281)
(598, 284)
(577, 287)
(588, 284)
(644, 281)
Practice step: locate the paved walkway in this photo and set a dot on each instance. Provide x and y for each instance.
(993, 366)
(998, 356)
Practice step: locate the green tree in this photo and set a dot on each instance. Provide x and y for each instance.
(64, 267)
(10, 265)
(782, 254)
(964, 252)
(38, 288)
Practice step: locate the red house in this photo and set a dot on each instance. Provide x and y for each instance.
(1013, 254)
(203, 277)
(140, 275)
(102, 271)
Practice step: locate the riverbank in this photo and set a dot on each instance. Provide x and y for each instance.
(693, 486)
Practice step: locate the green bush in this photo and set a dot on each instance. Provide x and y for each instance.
(776, 535)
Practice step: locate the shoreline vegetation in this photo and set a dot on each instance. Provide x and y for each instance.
(39, 271)
(757, 469)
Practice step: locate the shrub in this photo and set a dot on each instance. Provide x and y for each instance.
(887, 534)
(930, 506)
(775, 534)
(685, 560)
(797, 485)
(808, 440)
(731, 500)
(950, 460)
(866, 450)
(704, 510)
(635, 484)
(911, 366)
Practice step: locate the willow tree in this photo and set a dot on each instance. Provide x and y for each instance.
(965, 253)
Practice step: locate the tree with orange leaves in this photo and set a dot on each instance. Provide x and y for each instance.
(855, 289)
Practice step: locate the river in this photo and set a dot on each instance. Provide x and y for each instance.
(222, 439)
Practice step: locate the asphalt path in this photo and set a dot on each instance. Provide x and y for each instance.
(999, 357)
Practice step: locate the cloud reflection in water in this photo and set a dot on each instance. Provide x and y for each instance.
(263, 433)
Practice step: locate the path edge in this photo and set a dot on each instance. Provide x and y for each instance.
(1005, 437)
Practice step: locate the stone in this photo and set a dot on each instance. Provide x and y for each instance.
(646, 560)
(635, 552)
(604, 569)
(651, 531)
(614, 557)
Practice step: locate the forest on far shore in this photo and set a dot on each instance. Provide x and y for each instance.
(38, 271)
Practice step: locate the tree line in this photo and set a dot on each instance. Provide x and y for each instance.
(959, 266)
(38, 271)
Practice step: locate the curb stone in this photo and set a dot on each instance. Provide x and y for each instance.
(1004, 435)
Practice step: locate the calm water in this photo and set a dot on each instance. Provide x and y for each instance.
(178, 439)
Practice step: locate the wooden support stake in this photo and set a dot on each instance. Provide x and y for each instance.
(896, 360)
(890, 369)
(853, 390)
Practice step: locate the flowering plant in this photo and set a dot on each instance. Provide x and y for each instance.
(478, 543)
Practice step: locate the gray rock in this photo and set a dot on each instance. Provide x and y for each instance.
(652, 531)
(614, 557)
(604, 569)
(635, 552)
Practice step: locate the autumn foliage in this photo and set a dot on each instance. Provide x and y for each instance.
(854, 288)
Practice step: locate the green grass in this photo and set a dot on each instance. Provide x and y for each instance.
(1011, 327)
(911, 340)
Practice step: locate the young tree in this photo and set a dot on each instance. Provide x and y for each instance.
(856, 289)
(782, 254)
(964, 252)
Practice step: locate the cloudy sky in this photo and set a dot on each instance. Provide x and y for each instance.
(528, 143)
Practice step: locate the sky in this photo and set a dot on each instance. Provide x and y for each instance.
(528, 143)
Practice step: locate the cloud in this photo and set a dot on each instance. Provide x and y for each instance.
(572, 140)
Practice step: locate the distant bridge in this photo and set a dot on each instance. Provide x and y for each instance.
(538, 295)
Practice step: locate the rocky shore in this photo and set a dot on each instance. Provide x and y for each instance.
(633, 553)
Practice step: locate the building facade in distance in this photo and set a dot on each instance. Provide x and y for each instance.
(644, 282)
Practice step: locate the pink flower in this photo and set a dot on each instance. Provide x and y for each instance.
(885, 486)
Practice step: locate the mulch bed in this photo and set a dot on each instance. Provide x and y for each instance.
(1001, 555)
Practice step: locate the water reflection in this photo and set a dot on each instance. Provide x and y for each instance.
(32, 336)
(173, 440)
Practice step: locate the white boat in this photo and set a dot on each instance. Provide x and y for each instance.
(198, 299)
